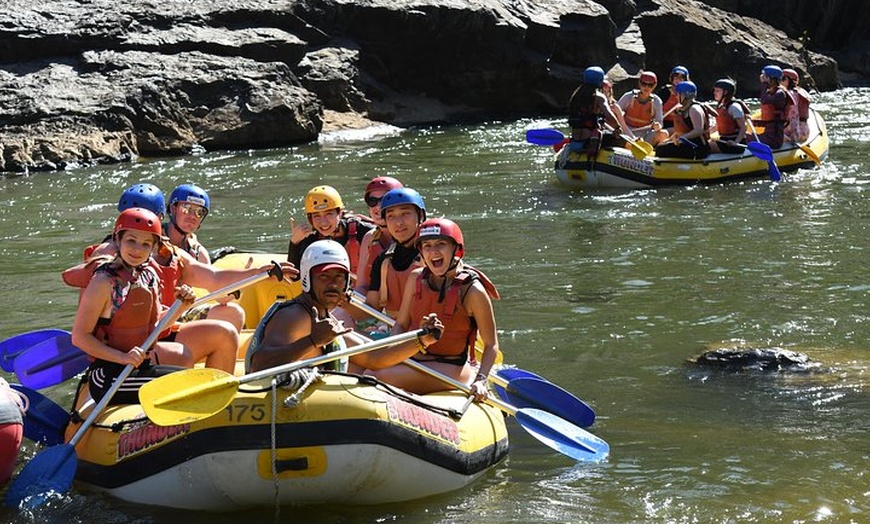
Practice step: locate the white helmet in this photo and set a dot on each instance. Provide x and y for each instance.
(321, 253)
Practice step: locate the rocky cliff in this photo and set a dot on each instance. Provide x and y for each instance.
(86, 81)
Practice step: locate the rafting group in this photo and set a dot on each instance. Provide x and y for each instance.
(679, 126)
(387, 295)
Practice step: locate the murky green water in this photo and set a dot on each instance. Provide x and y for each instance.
(605, 294)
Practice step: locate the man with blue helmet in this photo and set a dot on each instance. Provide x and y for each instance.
(403, 210)
(588, 111)
(690, 136)
(668, 94)
(774, 101)
(187, 209)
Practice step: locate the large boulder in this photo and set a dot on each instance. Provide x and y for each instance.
(85, 81)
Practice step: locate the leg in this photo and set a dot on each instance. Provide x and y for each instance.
(230, 312)
(215, 341)
(420, 383)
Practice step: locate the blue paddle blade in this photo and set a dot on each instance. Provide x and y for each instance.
(527, 392)
(50, 363)
(561, 435)
(49, 472)
(44, 421)
(544, 137)
(509, 374)
(14, 346)
(761, 150)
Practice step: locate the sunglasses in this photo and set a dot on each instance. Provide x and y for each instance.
(189, 209)
(372, 201)
(647, 84)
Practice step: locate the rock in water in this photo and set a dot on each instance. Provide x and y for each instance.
(765, 359)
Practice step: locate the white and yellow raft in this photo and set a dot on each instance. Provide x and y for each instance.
(618, 168)
(338, 439)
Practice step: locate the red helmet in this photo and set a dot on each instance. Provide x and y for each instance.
(791, 73)
(383, 182)
(138, 219)
(649, 77)
(442, 228)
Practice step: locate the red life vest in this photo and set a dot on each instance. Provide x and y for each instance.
(460, 329)
(725, 123)
(135, 305)
(169, 274)
(352, 224)
(771, 114)
(639, 114)
(803, 103)
(668, 104)
(380, 241)
(393, 282)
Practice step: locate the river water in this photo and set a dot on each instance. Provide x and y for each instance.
(606, 294)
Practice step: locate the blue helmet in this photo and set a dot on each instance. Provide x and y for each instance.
(772, 71)
(146, 196)
(680, 70)
(189, 193)
(686, 87)
(593, 75)
(403, 195)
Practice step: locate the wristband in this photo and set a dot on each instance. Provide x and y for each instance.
(421, 346)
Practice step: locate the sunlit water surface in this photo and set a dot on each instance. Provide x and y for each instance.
(606, 294)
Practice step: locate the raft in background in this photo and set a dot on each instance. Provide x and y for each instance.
(618, 168)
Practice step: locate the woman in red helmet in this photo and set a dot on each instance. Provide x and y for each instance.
(449, 290)
(643, 110)
(796, 129)
(120, 307)
(377, 240)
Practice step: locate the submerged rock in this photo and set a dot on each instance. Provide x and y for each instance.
(755, 359)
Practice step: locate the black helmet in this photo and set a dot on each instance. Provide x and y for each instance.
(727, 85)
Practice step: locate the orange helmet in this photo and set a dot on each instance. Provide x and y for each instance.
(138, 219)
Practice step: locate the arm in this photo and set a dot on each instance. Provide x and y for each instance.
(479, 306)
(94, 301)
(697, 116)
(373, 293)
(394, 355)
(286, 338)
(206, 276)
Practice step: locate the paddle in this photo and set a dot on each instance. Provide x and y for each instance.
(762, 151)
(52, 470)
(14, 346)
(44, 421)
(50, 362)
(544, 137)
(56, 360)
(810, 153)
(558, 433)
(196, 394)
(539, 394)
(639, 148)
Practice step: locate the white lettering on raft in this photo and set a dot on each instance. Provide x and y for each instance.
(632, 164)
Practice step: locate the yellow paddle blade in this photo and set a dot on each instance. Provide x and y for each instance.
(810, 153)
(187, 396)
(640, 149)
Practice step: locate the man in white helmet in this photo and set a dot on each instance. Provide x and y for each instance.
(304, 327)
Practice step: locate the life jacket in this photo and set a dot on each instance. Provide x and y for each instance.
(356, 227)
(669, 102)
(194, 247)
(460, 328)
(803, 103)
(170, 274)
(135, 307)
(725, 123)
(639, 114)
(80, 275)
(771, 114)
(393, 282)
(683, 122)
(585, 117)
(303, 301)
(380, 241)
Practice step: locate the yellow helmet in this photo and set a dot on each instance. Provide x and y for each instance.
(322, 198)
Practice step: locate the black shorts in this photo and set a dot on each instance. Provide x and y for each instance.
(102, 374)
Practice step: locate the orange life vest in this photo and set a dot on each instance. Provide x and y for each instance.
(639, 114)
(135, 306)
(725, 123)
(771, 114)
(169, 274)
(668, 104)
(393, 282)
